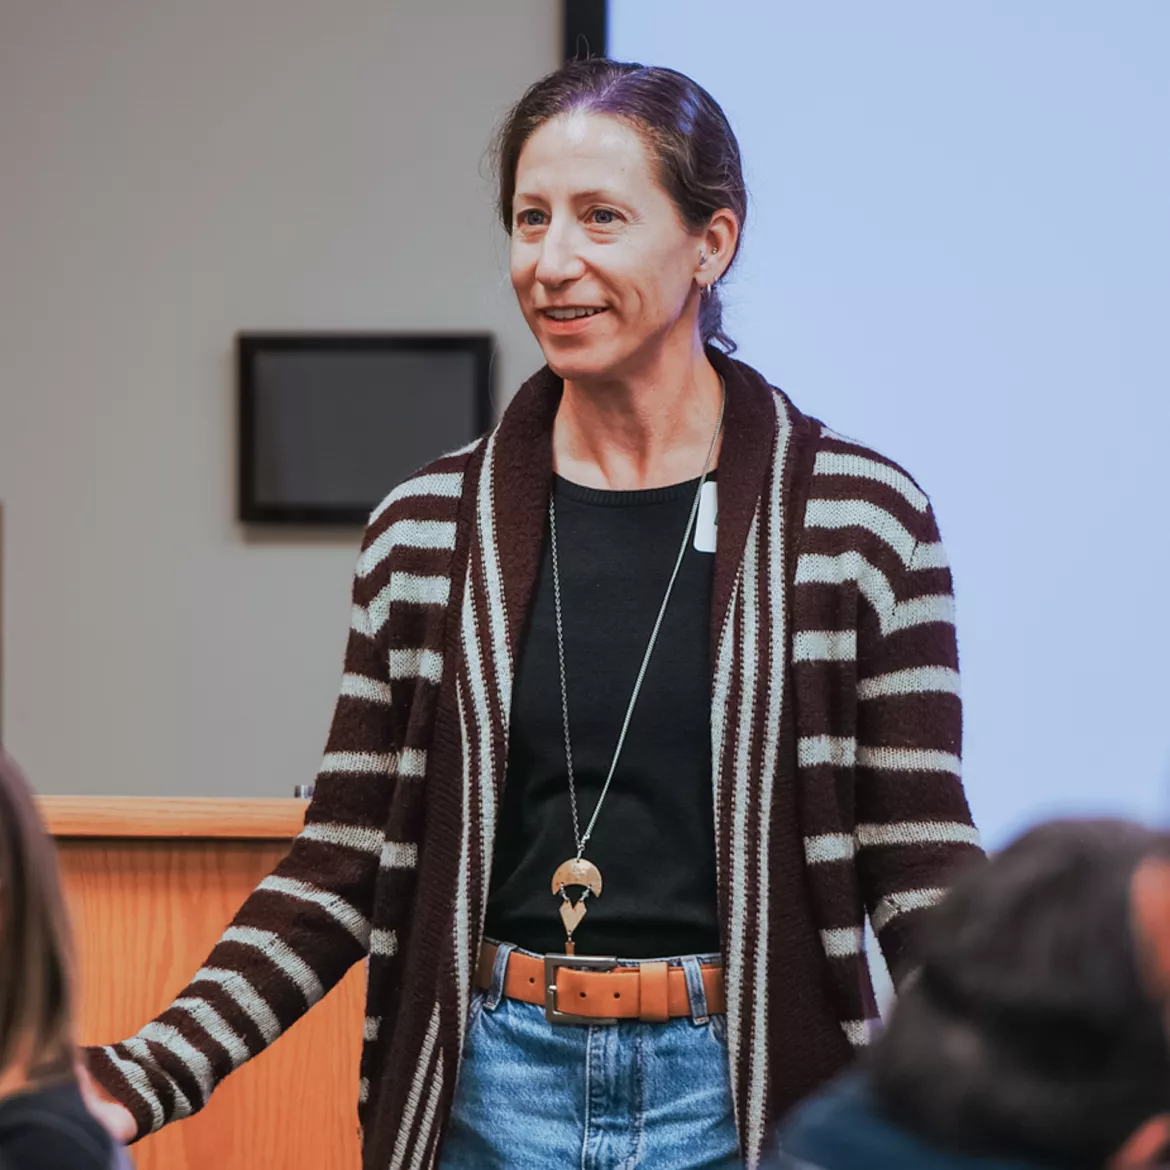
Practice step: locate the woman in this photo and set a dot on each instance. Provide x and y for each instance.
(44, 1124)
(726, 733)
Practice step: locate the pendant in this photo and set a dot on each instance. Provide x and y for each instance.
(577, 871)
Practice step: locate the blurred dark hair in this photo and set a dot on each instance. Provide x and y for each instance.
(1028, 1032)
(681, 124)
(36, 991)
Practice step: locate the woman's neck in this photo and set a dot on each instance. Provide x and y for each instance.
(639, 432)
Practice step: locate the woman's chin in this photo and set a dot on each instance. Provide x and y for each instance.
(590, 364)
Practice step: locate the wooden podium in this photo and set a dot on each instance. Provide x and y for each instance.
(151, 884)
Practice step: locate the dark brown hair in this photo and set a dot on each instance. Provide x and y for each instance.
(1028, 1033)
(681, 124)
(36, 992)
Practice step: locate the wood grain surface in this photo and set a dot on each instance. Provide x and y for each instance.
(146, 912)
(202, 817)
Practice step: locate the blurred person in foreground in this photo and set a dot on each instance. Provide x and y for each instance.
(1034, 1034)
(44, 1122)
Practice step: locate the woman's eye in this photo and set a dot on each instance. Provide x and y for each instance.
(603, 215)
(531, 217)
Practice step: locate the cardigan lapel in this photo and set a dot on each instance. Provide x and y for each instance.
(503, 509)
(750, 626)
(522, 478)
(749, 429)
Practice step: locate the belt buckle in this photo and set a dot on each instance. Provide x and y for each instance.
(576, 963)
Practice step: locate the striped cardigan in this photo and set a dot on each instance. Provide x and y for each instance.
(835, 727)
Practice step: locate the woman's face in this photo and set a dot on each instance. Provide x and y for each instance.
(602, 264)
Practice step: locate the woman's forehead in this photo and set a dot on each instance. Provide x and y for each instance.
(583, 146)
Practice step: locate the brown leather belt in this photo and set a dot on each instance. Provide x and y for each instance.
(576, 989)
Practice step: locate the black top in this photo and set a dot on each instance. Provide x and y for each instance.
(655, 838)
(51, 1129)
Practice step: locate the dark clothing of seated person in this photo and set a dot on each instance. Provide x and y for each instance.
(44, 1121)
(51, 1129)
(1033, 1035)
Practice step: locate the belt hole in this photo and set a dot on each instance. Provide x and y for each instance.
(531, 980)
(582, 995)
(617, 995)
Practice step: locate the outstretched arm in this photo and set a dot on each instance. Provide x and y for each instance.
(304, 925)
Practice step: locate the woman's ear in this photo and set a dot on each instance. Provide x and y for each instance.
(1150, 921)
(719, 240)
(1146, 1148)
(1149, 908)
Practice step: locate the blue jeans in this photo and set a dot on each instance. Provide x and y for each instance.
(603, 1097)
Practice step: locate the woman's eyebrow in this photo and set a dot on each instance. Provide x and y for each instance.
(603, 193)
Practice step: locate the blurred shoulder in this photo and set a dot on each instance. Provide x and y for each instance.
(51, 1129)
(838, 1128)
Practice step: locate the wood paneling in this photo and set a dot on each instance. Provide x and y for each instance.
(146, 912)
(132, 816)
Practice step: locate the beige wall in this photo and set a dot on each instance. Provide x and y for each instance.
(170, 173)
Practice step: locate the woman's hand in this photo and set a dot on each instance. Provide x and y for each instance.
(117, 1119)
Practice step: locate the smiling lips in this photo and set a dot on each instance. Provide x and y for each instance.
(571, 313)
(568, 320)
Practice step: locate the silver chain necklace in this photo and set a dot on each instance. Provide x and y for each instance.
(578, 870)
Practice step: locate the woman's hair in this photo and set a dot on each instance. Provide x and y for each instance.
(681, 124)
(36, 993)
(1029, 1031)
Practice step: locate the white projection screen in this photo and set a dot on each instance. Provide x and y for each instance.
(958, 251)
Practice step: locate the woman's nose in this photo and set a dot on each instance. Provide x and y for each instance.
(560, 259)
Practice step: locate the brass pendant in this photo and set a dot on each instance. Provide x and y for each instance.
(571, 915)
(577, 871)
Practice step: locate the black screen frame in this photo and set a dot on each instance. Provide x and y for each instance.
(250, 346)
(586, 29)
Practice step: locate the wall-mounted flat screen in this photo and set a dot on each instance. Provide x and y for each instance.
(329, 423)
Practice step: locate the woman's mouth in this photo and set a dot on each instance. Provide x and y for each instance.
(569, 320)
(571, 313)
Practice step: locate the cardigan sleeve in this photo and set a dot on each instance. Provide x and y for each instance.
(308, 922)
(913, 825)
